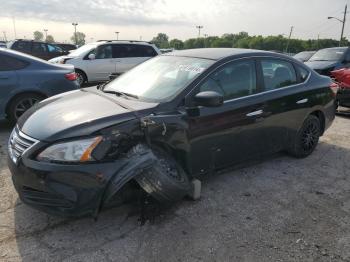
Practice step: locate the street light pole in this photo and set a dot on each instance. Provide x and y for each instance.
(75, 33)
(117, 33)
(45, 30)
(199, 27)
(290, 35)
(343, 23)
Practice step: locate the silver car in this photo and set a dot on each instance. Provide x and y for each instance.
(95, 62)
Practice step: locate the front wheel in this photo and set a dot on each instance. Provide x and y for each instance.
(307, 138)
(81, 77)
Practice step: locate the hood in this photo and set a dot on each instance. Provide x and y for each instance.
(79, 113)
(321, 65)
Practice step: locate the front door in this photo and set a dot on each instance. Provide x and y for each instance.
(230, 133)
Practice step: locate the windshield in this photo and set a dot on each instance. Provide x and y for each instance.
(159, 79)
(334, 54)
(82, 50)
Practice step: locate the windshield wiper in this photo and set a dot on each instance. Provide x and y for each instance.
(118, 93)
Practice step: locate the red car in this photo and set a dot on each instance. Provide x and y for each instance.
(342, 76)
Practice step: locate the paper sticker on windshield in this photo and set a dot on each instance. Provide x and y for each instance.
(189, 68)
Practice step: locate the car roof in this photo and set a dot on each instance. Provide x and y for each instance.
(336, 48)
(216, 53)
(124, 42)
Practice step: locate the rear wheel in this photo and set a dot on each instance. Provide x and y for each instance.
(21, 104)
(307, 138)
(81, 77)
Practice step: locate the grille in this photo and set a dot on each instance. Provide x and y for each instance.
(19, 143)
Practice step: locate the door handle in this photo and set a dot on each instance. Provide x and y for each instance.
(255, 113)
(302, 101)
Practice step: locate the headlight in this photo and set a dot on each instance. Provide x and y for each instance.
(74, 151)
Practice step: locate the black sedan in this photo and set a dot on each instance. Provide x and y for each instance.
(164, 123)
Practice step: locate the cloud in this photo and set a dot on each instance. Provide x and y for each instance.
(111, 12)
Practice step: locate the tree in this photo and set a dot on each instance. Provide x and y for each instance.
(78, 39)
(38, 36)
(176, 44)
(161, 40)
(50, 39)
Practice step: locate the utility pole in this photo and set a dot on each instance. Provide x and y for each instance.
(290, 35)
(342, 29)
(117, 33)
(75, 33)
(318, 41)
(5, 38)
(14, 26)
(199, 27)
(45, 30)
(343, 23)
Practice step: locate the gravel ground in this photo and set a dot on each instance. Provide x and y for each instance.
(279, 209)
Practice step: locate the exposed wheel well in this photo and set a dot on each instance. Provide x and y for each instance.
(320, 115)
(20, 94)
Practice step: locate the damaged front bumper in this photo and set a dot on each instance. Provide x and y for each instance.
(76, 190)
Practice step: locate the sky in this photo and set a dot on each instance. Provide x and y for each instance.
(143, 19)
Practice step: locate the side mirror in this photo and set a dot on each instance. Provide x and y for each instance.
(209, 99)
(92, 57)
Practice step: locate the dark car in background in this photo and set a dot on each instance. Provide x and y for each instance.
(327, 60)
(26, 80)
(168, 120)
(3, 44)
(39, 49)
(304, 56)
(66, 47)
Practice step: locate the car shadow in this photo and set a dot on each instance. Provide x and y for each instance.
(249, 191)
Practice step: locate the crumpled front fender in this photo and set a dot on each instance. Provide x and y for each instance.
(145, 166)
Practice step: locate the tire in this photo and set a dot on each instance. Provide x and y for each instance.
(21, 104)
(166, 181)
(81, 77)
(305, 141)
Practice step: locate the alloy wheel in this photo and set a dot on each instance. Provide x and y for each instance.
(23, 105)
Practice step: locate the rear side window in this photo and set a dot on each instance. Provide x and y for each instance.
(9, 63)
(278, 73)
(39, 48)
(304, 74)
(124, 51)
(22, 46)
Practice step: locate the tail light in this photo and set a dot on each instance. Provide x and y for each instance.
(334, 87)
(71, 76)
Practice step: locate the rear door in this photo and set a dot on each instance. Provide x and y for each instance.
(286, 98)
(8, 77)
(130, 55)
(22, 46)
(100, 68)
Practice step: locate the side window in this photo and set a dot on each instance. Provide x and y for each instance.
(304, 74)
(54, 49)
(39, 48)
(146, 51)
(22, 46)
(233, 80)
(10, 63)
(278, 73)
(120, 51)
(104, 52)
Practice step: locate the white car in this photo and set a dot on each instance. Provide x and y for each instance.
(95, 62)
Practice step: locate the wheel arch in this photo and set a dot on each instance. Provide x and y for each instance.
(321, 116)
(27, 92)
(83, 71)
